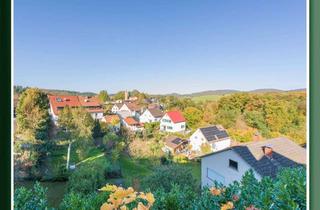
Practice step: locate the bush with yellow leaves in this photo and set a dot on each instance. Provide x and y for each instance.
(125, 199)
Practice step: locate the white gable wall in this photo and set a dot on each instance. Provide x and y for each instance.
(167, 125)
(147, 117)
(222, 144)
(216, 167)
(97, 115)
(197, 139)
(114, 108)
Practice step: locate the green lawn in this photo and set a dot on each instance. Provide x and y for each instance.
(206, 98)
(139, 168)
(134, 168)
(196, 170)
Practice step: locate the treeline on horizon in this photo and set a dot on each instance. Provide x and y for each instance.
(248, 115)
(245, 115)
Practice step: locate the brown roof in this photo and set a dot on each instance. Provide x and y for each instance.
(174, 142)
(156, 112)
(285, 153)
(133, 106)
(89, 101)
(131, 121)
(119, 105)
(111, 118)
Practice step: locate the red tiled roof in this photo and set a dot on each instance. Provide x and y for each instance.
(131, 121)
(94, 110)
(110, 118)
(89, 101)
(63, 101)
(176, 116)
(91, 104)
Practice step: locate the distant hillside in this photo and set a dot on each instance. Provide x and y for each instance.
(67, 92)
(230, 91)
(212, 92)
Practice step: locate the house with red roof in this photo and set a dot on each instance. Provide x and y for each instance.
(113, 121)
(91, 104)
(173, 121)
(132, 124)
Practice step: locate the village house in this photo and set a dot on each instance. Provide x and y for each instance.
(265, 158)
(113, 121)
(116, 107)
(131, 124)
(151, 115)
(215, 136)
(174, 145)
(173, 121)
(91, 104)
(133, 108)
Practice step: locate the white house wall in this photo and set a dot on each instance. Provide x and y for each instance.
(147, 117)
(222, 144)
(219, 164)
(196, 140)
(176, 127)
(97, 115)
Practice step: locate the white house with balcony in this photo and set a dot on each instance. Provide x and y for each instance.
(173, 121)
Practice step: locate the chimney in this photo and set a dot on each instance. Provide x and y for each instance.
(126, 95)
(267, 150)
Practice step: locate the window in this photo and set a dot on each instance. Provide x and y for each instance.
(169, 127)
(182, 126)
(165, 120)
(233, 164)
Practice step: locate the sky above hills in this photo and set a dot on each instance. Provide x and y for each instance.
(160, 46)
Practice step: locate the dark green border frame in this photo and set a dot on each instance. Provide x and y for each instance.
(5, 104)
(314, 99)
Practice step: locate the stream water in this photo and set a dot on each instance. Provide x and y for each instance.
(55, 193)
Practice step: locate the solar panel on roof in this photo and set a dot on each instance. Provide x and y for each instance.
(213, 133)
(176, 141)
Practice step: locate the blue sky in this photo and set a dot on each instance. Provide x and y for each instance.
(161, 46)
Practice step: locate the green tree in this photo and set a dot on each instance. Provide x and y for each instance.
(103, 96)
(35, 198)
(205, 148)
(166, 176)
(119, 95)
(193, 116)
(88, 177)
(32, 114)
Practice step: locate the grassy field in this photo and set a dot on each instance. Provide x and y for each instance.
(206, 98)
(136, 169)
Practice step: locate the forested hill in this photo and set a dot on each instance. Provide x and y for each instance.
(18, 89)
(230, 91)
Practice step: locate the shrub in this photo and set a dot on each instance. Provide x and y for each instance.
(166, 175)
(121, 198)
(88, 177)
(177, 198)
(181, 158)
(74, 200)
(34, 198)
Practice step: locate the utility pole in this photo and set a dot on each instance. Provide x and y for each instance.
(68, 155)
